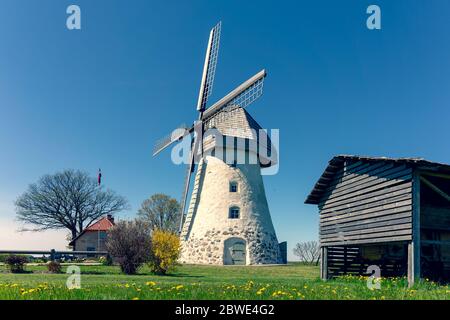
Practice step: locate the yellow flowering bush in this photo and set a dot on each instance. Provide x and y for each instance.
(165, 251)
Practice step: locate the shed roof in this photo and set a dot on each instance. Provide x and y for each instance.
(337, 163)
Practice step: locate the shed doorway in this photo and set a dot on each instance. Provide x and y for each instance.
(235, 252)
(435, 227)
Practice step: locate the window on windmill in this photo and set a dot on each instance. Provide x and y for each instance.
(234, 213)
(233, 187)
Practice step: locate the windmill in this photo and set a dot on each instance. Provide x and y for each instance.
(218, 115)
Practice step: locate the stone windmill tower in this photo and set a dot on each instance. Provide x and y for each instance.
(228, 219)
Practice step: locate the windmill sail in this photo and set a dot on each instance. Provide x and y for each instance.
(209, 71)
(176, 135)
(187, 181)
(242, 96)
(209, 68)
(190, 214)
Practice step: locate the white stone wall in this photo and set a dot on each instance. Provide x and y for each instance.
(211, 225)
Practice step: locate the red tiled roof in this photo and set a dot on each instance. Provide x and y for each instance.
(103, 224)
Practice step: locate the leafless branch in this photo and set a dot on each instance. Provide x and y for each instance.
(308, 252)
(69, 199)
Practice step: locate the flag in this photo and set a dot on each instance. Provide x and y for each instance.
(99, 176)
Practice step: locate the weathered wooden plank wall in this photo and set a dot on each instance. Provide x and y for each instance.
(367, 202)
(347, 260)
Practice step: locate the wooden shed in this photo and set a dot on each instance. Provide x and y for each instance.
(391, 213)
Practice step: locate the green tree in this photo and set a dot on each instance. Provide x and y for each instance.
(161, 212)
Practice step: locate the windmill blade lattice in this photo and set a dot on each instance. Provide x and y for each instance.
(174, 136)
(209, 70)
(248, 96)
(242, 99)
(187, 180)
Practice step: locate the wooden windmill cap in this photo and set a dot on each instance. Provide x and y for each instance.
(237, 122)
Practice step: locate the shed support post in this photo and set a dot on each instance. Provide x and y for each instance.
(324, 263)
(413, 263)
(414, 245)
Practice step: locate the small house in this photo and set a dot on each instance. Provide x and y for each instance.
(391, 214)
(93, 238)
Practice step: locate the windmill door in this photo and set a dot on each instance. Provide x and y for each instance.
(238, 253)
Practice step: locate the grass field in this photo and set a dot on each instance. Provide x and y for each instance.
(293, 281)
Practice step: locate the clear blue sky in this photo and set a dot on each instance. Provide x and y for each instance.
(100, 97)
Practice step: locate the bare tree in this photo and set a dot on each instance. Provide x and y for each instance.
(161, 212)
(308, 252)
(129, 242)
(69, 199)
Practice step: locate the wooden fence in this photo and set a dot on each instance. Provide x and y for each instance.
(54, 254)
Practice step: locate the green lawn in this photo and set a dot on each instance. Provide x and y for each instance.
(294, 281)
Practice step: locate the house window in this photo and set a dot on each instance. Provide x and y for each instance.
(233, 187)
(102, 235)
(234, 213)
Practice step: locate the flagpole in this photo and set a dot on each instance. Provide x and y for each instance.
(99, 177)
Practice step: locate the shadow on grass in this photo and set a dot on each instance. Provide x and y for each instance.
(91, 272)
(177, 275)
(15, 272)
(169, 275)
